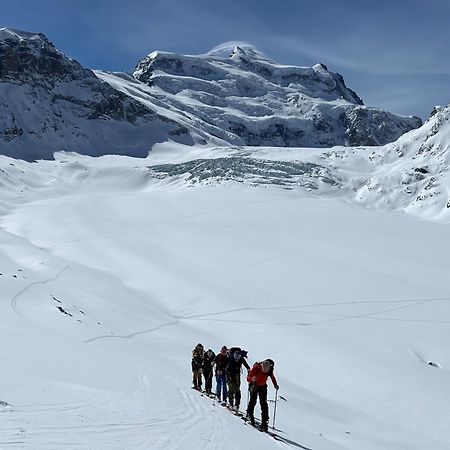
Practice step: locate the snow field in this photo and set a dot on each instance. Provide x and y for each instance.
(351, 304)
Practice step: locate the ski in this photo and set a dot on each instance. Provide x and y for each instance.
(276, 436)
(272, 433)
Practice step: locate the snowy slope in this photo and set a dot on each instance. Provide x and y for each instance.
(148, 261)
(112, 268)
(414, 171)
(49, 102)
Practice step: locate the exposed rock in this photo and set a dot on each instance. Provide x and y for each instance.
(49, 102)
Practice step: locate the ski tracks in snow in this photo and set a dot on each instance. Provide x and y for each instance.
(15, 299)
(130, 335)
(300, 309)
(75, 426)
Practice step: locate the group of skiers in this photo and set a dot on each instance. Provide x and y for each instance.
(227, 368)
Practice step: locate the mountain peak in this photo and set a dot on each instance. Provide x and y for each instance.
(19, 35)
(238, 50)
(320, 66)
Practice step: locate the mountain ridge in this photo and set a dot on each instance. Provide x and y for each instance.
(51, 103)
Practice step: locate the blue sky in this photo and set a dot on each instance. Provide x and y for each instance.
(394, 54)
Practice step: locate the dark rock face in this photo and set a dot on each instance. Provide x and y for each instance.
(374, 127)
(34, 59)
(278, 134)
(36, 62)
(50, 102)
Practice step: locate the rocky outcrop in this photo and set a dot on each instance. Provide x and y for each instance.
(49, 102)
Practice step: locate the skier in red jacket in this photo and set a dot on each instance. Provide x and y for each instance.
(257, 378)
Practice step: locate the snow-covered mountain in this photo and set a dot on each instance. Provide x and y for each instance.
(230, 96)
(411, 174)
(238, 95)
(49, 102)
(414, 172)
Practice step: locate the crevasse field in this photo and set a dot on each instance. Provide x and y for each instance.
(112, 271)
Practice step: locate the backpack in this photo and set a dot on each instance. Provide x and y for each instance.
(208, 360)
(236, 358)
(198, 355)
(221, 362)
(197, 361)
(233, 350)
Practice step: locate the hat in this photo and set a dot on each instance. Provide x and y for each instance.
(224, 349)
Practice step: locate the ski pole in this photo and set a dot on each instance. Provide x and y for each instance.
(275, 409)
(215, 394)
(248, 401)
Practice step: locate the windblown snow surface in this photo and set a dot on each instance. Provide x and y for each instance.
(113, 268)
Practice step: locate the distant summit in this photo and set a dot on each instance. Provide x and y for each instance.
(236, 49)
(235, 94)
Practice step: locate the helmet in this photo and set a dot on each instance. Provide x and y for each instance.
(199, 345)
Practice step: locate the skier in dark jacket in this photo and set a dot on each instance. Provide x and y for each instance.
(221, 362)
(198, 355)
(257, 378)
(234, 367)
(208, 369)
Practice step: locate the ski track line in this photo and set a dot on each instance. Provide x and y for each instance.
(182, 421)
(85, 435)
(291, 307)
(99, 435)
(181, 418)
(339, 317)
(218, 424)
(66, 406)
(131, 335)
(280, 442)
(107, 427)
(15, 299)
